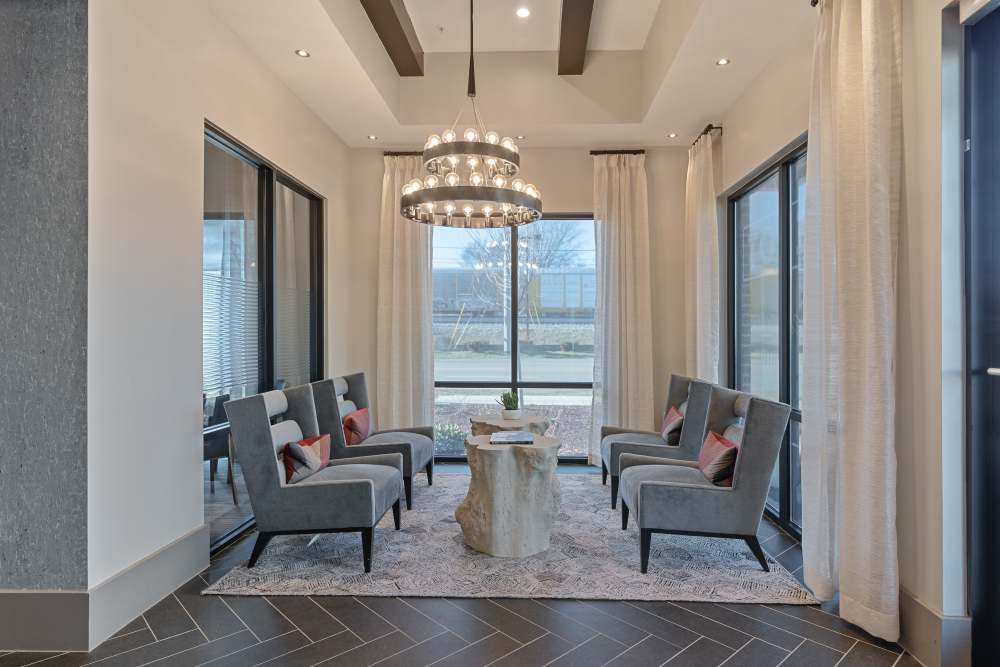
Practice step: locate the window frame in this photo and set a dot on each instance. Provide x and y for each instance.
(781, 165)
(516, 384)
(269, 175)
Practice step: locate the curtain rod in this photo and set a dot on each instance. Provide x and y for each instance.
(622, 151)
(400, 153)
(708, 128)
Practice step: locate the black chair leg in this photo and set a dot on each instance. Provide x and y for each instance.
(258, 547)
(614, 491)
(624, 516)
(430, 472)
(408, 488)
(395, 514)
(754, 545)
(644, 538)
(604, 474)
(366, 546)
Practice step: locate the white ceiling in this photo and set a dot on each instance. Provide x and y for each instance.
(443, 25)
(624, 98)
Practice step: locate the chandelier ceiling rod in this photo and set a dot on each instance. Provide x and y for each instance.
(472, 57)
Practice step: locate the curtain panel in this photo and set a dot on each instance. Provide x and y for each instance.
(848, 382)
(623, 348)
(701, 273)
(405, 344)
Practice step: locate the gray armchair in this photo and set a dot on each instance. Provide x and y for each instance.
(415, 444)
(674, 496)
(616, 441)
(351, 495)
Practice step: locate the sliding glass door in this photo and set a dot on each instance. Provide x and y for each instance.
(514, 309)
(766, 222)
(261, 305)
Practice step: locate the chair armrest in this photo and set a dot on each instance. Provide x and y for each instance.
(618, 449)
(618, 430)
(696, 508)
(628, 459)
(319, 504)
(354, 452)
(394, 460)
(427, 431)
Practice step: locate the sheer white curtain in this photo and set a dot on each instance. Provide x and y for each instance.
(852, 210)
(623, 348)
(405, 363)
(701, 274)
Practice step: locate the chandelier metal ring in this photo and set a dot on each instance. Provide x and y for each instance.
(427, 205)
(477, 148)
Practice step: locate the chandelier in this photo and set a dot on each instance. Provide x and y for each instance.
(472, 179)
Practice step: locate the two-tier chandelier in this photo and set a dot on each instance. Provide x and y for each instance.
(472, 179)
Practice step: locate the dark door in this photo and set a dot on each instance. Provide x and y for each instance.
(983, 308)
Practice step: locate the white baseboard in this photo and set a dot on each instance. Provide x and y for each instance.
(933, 639)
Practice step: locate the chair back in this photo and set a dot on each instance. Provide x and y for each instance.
(327, 395)
(259, 443)
(698, 397)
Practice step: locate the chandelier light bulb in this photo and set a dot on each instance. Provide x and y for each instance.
(416, 184)
(499, 181)
(531, 190)
(407, 189)
(431, 181)
(507, 143)
(448, 136)
(472, 162)
(451, 179)
(476, 178)
(471, 134)
(492, 137)
(468, 211)
(432, 141)
(487, 211)
(453, 161)
(449, 208)
(517, 184)
(505, 207)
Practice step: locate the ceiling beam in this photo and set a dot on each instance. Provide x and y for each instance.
(574, 31)
(395, 29)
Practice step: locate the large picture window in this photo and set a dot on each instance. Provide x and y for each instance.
(766, 220)
(514, 309)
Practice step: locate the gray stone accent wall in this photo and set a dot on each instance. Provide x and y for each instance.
(43, 294)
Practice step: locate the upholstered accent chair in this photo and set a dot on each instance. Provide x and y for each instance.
(350, 495)
(336, 398)
(615, 441)
(674, 496)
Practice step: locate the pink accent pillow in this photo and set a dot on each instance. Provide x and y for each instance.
(305, 457)
(671, 423)
(357, 426)
(717, 459)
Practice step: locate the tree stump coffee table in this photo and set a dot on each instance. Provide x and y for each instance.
(490, 424)
(513, 496)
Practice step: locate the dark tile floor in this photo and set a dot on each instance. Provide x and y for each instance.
(186, 628)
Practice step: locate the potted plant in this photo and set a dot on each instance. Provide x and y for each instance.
(510, 403)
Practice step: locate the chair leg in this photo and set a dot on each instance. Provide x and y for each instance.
(395, 513)
(430, 472)
(408, 488)
(624, 516)
(614, 491)
(366, 546)
(258, 547)
(754, 545)
(604, 474)
(644, 537)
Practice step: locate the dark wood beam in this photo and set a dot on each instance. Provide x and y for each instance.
(574, 30)
(395, 29)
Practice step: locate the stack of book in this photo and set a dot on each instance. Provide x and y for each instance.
(512, 438)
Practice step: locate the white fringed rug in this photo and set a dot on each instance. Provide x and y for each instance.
(590, 558)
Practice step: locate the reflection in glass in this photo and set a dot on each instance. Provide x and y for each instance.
(556, 292)
(795, 473)
(569, 410)
(292, 282)
(797, 216)
(472, 304)
(452, 410)
(758, 290)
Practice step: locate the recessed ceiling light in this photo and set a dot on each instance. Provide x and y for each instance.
(672, 135)
(722, 62)
(523, 12)
(301, 53)
(520, 137)
(372, 137)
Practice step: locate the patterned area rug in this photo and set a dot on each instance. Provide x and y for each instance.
(590, 558)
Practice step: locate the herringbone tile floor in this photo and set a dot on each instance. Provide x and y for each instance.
(187, 628)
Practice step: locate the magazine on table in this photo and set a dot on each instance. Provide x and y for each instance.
(512, 438)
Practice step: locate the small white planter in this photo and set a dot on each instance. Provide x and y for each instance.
(511, 414)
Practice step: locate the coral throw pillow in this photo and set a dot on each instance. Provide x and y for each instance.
(305, 457)
(672, 423)
(357, 426)
(717, 459)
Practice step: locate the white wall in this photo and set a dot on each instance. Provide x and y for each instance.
(566, 179)
(771, 113)
(157, 71)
